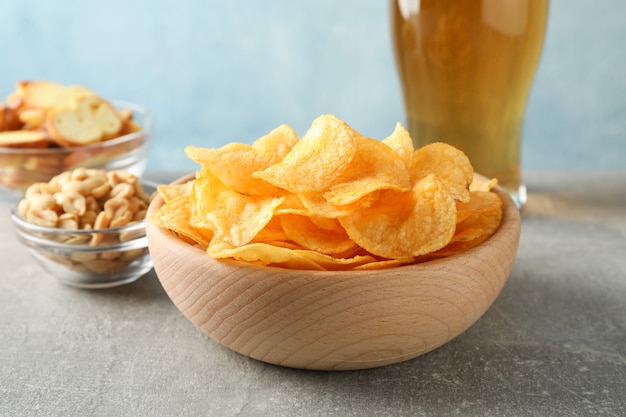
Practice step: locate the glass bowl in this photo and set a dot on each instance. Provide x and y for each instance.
(92, 259)
(21, 167)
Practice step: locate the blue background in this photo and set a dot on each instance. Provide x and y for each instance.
(214, 72)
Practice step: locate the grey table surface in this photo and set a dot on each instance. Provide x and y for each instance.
(552, 344)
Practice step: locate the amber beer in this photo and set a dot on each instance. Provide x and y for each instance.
(466, 69)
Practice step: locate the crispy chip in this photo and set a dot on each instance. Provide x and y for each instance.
(306, 233)
(276, 145)
(447, 162)
(318, 205)
(317, 160)
(172, 191)
(481, 183)
(387, 263)
(235, 163)
(402, 225)
(375, 166)
(203, 198)
(480, 201)
(175, 215)
(331, 263)
(479, 219)
(400, 141)
(263, 254)
(238, 218)
(273, 233)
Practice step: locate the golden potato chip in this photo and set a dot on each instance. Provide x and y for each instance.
(273, 233)
(292, 204)
(481, 183)
(171, 191)
(331, 263)
(203, 198)
(480, 201)
(234, 164)
(326, 223)
(238, 218)
(375, 166)
(451, 165)
(480, 219)
(317, 160)
(306, 233)
(319, 206)
(387, 263)
(175, 215)
(400, 141)
(402, 225)
(276, 144)
(263, 254)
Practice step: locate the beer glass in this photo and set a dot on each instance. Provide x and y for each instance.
(466, 68)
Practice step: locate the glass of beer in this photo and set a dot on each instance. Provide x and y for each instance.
(466, 68)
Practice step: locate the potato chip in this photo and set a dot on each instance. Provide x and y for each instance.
(171, 191)
(175, 215)
(326, 223)
(238, 218)
(306, 233)
(273, 233)
(481, 183)
(331, 263)
(478, 220)
(292, 204)
(263, 254)
(480, 201)
(375, 166)
(451, 165)
(203, 198)
(276, 145)
(400, 141)
(402, 225)
(318, 205)
(387, 263)
(317, 160)
(235, 163)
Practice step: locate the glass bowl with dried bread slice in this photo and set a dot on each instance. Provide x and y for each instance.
(47, 128)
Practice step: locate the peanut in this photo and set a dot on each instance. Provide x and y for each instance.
(89, 200)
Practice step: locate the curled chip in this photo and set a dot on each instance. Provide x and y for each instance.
(448, 163)
(402, 225)
(400, 141)
(309, 234)
(235, 163)
(375, 166)
(315, 162)
(331, 200)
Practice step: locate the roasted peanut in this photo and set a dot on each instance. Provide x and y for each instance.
(68, 221)
(88, 199)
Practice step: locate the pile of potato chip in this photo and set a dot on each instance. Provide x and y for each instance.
(331, 200)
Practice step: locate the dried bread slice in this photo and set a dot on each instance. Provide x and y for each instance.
(23, 139)
(84, 121)
(45, 95)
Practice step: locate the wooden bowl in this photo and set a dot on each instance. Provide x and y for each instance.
(335, 320)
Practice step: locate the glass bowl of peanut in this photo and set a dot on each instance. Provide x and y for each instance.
(86, 227)
(47, 128)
